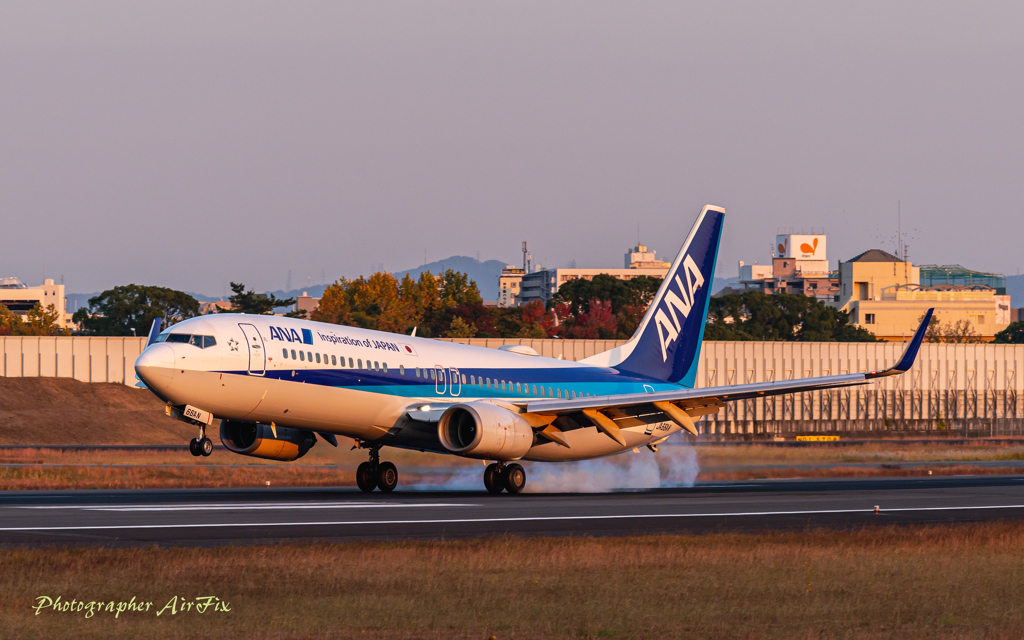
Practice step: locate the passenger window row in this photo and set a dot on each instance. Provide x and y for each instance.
(524, 388)
(425, 373)
(334, 361)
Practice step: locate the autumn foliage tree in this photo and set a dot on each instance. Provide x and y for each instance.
(603, 307)
(39, 321)
(437, 306)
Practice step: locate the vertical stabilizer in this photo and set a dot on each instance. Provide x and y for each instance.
(667, 343)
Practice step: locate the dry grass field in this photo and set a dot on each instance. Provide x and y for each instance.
(881, 451)
(912, 582)
(325, 466)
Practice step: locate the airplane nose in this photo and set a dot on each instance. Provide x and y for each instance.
(156, 364)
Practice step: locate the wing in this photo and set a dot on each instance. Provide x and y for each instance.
(683, 405)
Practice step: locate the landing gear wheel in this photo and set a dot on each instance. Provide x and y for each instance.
(365, 477)
(193, 446)
(493, 480)
(387, 477)
(205, 446)
(515, 478)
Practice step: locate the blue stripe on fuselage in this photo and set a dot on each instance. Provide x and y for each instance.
(581, 380)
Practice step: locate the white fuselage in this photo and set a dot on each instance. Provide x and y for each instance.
(372, 386)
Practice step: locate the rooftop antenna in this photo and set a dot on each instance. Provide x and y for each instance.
(524, 255)
(899, 230)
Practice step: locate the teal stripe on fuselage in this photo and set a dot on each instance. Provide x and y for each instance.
(467, 390)
(579, 381)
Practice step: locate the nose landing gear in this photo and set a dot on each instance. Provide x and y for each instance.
(201, 446)
(375, 474)
(500, 477)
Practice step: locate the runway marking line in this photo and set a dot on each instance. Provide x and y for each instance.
(227, 506)
(211, 525)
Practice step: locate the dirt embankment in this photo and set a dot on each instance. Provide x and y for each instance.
(66, 411)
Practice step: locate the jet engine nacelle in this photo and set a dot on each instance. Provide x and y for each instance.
(482, 430)
(260, 441)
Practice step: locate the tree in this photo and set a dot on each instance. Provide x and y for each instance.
(460, 329)
(382, 302)
(38, 322)
(456, 288)
(117, 311)
(597, 323)
(1013, 334)
(257, 304)
(629, 300)
(43, 322)
(959, 332)
(753, 315)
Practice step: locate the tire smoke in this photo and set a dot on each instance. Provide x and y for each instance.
(673, 466)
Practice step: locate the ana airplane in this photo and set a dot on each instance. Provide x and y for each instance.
(276, 383)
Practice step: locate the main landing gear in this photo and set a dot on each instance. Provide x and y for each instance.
(500, 477)
(375, 474)
(201, 446)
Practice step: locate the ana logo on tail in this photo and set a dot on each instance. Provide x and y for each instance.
(668, 324)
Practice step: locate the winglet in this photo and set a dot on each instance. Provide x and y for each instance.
(154, 331)
(910, 354)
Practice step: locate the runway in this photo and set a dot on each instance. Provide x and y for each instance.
(209, 517)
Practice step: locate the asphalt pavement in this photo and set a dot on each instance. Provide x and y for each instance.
(208, 517)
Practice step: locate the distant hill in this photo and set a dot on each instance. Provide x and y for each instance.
(81, 300)
(721, 283)
(485, 274)
(1015, 289)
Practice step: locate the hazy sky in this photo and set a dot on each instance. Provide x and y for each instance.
(191, 143)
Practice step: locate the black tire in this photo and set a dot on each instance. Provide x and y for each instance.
(515, 478)
(387, 477)
(493, 480)
(206, 446)
(193, 446)
(365, 478)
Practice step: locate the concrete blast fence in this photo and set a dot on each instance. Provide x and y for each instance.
(975, 388)
(83, 358)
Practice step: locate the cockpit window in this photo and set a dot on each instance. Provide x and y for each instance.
(202, 342)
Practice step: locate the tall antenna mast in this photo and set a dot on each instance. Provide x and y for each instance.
(899, 230)
(524, 255)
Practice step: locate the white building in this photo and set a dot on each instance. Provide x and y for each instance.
(543, 284)
(20, 298)
(639, 257)
(508, 285)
